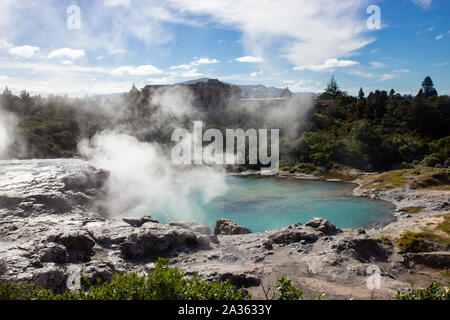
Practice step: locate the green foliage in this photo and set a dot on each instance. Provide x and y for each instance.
(163, 283)
(12, 291)
(287, 291)
(387, 241)
(433, 292)
(432, 160)
(413, 242)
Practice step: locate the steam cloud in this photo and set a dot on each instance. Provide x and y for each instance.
(8, 124)
(143, 178)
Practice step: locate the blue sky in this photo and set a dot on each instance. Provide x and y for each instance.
(294, 43)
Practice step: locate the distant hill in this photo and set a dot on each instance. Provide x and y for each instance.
(258, 91)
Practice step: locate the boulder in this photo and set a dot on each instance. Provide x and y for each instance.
(324, 226)
(439, 260)
(364, 249)
(229, 227)
(154, 241)
(292, 234)
(138, 221)
(79, 245)
(54, 253)
(240, 279)
(50, 277)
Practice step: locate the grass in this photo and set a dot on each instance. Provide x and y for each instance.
(412, 210)
(387, 241)
(424, 178)
(445, 225)
(414, 242)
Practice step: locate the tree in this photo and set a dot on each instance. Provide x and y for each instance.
(391, 93)
(7, 92)
(428, 88)
(286, 93)
(332, 90)
(361, 94)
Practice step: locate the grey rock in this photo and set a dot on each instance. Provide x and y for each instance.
(323, 225)
(54, 253)
(138, 221)
(364, 249)
(293, 234)
(50, 277)
(229, 227)
(439, 259)
(240, 279)
(213, 238)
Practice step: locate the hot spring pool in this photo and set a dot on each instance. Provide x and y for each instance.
(262, 203)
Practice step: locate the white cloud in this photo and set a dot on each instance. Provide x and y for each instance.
(195, 63)
(201, 61)
(182, 67)
(143, 70)
(191, 73)
(259, 73)
(377, 64)
(361, 73)
(304, 32)
(249, 59)
(329, 64)
(24, 51)
(113, 3)
(4, 44)
(439, 37)
(387, 76)
(422, 3)
(66, 53)
(118, 51)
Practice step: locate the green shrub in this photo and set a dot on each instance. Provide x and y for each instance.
(387, 241)
(163, 283)
(413, 242)
(3, 267)
(287, 291)
(304, 168)
(432, 160)
(433, 292)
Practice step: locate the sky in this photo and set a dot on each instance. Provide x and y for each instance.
(104, 46)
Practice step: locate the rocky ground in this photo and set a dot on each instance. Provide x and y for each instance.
(50, 226)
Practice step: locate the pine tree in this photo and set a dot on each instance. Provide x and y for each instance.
(361, 94)
(332, 89)
(428, 88)
(391, 93)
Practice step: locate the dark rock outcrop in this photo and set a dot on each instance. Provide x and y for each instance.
(362, 248)
(437, 260)
(324, 226)
(292, 234)
(229, 227)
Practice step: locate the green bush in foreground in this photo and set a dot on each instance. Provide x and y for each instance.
(168, 283)
(433, 292)
(163, 283)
